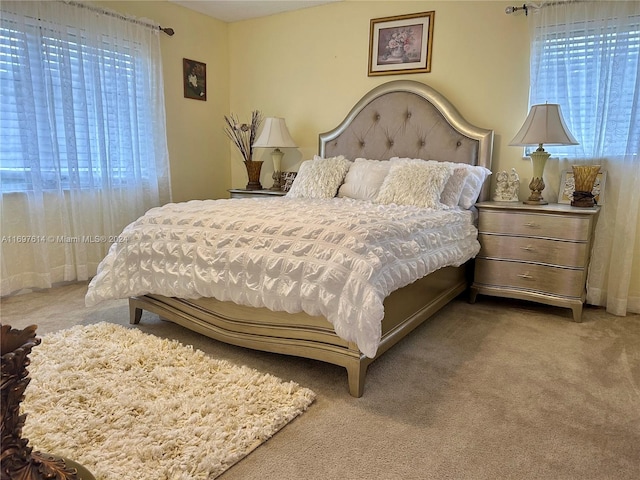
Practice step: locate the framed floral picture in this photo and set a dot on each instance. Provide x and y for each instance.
(401, 44)
(568, 185)
(195, 79)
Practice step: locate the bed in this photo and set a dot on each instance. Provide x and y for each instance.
(392, 124)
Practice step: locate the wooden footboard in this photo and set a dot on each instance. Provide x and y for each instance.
(301, 334)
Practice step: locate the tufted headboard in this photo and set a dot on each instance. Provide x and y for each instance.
(404, 118)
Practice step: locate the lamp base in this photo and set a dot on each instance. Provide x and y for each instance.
(277, 181)
(536, 186)
(276, 156)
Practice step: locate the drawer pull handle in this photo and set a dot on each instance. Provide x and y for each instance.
(531, 225)
(528, 248)
(525, 276)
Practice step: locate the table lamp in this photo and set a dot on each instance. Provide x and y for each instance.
(543, 125)
(275, 135)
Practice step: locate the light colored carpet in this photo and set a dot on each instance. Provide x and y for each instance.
(498, 390)
(126, 404)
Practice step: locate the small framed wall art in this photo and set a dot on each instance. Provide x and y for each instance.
(401, 44)
(568, 185)
(287, 180)
(194, 79)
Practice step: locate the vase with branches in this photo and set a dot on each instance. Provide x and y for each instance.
(243, 135)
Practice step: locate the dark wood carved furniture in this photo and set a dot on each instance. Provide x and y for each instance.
(18, 460)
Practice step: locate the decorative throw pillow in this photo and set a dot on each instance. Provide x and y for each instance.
(364, 179)
(473, 185)
(415, 183)
(464, 184)
(319, 178)
(453, 189)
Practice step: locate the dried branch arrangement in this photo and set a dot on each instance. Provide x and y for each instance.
(243, 135)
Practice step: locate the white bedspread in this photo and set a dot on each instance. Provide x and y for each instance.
(338, 258)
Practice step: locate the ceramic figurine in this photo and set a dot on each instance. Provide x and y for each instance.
(507, 186)
(514, 185)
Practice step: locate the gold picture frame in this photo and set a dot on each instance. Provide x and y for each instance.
(401, 44)
(567, 186)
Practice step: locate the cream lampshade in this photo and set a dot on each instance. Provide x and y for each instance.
(275, 135)
(543, 125)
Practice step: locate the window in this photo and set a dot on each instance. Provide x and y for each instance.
(83, 143)
(74, 114)
(591, 69)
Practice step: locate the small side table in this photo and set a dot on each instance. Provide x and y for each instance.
(539, 253)
(242, 193)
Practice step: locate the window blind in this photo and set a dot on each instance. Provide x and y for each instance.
(90, 106)
(573, 62)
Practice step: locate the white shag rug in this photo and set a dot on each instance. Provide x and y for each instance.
(126, 404)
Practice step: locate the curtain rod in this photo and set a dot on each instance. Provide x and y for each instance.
(527, 6)
(169, 31)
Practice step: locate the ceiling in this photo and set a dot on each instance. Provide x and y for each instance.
(236, 10)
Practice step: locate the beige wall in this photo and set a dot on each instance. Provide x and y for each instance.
(310, 66)
(198, 149)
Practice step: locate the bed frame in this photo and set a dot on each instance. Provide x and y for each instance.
(400, 118)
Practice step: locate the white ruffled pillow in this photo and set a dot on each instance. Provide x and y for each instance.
(364, 179)
(473, 185)
(453, 188)
(415, 183)
(463, 187)
(319, 178)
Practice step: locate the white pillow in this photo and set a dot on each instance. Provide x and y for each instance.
(473, 185)
(364, 179)
(450, 195)
(319, 178)
(453, 189)
(415, 183)
(465, 184)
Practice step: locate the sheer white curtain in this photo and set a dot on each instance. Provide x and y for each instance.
(82, 137)
(586, 56)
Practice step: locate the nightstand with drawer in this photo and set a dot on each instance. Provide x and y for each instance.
(242, 193)
(534, 252)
